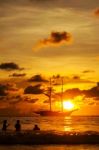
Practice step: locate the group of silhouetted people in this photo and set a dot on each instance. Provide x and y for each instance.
(17, 126)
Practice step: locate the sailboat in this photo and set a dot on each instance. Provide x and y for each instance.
(50, 112)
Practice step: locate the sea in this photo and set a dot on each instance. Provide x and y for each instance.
(54, 124)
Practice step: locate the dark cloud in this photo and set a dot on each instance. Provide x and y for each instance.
(76, 78)
(56, 76)
(93, 92)
(20, 98)
(7, 88)
(15, 99)
(88, 71)
(96, 12)
(31, 100)
(34, 89)
(10, 66)
(55, 39)
(90, 93)
(14, 102)
(18, 75)
(72, 93)
(37, 78)
(3, 90)
(48, 101)
(70, 79)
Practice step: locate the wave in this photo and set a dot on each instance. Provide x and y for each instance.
(48, 137)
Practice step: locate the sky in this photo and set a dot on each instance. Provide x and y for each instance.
(50, 37)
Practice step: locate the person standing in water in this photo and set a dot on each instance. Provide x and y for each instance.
(36, 128)
(5, 125)
(18, 126)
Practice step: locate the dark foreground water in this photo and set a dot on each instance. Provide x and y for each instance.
(51, 147)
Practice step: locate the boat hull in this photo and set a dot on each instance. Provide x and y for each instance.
(54, 113)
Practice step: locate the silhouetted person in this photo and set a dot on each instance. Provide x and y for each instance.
(36, 128)
(18, 126)
(5, 125)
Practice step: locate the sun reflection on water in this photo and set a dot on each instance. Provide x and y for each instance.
(68, 124)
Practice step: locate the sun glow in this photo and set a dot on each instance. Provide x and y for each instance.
(68, 105)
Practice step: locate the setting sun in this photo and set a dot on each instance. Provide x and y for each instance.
(68, 105)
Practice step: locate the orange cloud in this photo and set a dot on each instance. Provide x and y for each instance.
(55, 39)
(96, 12)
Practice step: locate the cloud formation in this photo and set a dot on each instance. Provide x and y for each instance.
(10, 66)
(70, 79)
(8, 88)
(88, 71)
(31, 100)
(76, 77)
(3, 90)
(33, 89)
(37, 78)
(72, 93)
(93, 92)
(96, 12)
(18, 75)
(55, 39)
(90, 93)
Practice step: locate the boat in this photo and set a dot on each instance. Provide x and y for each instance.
(50, 112)
(54, 113)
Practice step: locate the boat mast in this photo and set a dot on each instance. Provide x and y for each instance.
(50, 95)
(62, 95)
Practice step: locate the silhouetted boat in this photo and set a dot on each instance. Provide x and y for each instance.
(50, 112)
(53, 113)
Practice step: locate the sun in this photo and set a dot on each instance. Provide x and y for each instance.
(68, 105)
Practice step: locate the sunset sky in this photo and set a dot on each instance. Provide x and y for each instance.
(51, 37)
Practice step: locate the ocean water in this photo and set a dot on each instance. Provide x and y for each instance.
(57, 124)
(72, 123)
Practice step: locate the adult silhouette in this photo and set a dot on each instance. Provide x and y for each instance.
(18, 125)
(5, 125)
